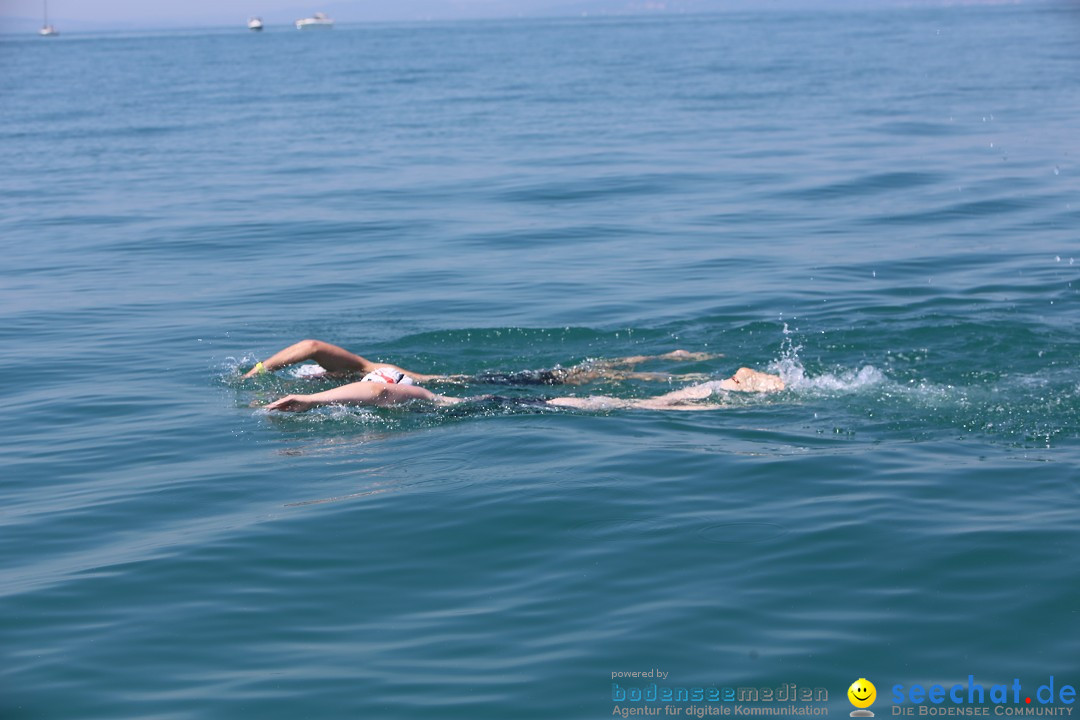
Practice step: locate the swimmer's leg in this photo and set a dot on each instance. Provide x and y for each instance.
(618, 369)
(633, 360)
(662, 377)
(590, 372)
(331, 357)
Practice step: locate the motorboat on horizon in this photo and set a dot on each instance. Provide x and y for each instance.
(255, 24)
(318, 21)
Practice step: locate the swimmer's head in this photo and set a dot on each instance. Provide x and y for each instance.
(747, 380)
(388, 376)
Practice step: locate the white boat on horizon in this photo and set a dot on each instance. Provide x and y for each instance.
(255, 24)
(318, 21)
(47, 30)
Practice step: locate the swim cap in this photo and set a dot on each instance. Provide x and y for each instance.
(389, 376)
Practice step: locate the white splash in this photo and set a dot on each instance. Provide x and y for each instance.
(842, 380)
(306, 371)
(789, 367)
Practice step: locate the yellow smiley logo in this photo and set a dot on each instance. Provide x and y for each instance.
(862, 693)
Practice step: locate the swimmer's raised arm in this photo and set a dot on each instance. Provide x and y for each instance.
(333, 358)
(360, 393)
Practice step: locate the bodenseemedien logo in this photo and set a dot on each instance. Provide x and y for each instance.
(862, 694)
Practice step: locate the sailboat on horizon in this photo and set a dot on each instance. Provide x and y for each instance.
(47, 30)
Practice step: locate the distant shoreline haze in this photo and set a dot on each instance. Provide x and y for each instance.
(25, 16)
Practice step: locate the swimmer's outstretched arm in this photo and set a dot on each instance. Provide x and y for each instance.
(360, 393)
(663, 402)
(603, 402)
(744, 380)
(331, 357)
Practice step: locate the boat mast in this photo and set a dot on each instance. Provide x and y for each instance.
(45, 18)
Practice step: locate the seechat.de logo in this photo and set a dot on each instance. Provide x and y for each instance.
(862, 694)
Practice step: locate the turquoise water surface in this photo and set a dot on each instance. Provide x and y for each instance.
(882, 206)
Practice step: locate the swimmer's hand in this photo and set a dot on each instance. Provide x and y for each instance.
(292, 403)
(257, 370)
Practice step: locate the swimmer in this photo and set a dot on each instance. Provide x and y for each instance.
(384, 394)
(338, 361)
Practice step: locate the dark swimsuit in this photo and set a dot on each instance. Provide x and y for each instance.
(555, 376)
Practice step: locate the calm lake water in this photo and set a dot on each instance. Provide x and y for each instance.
(883, 206)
